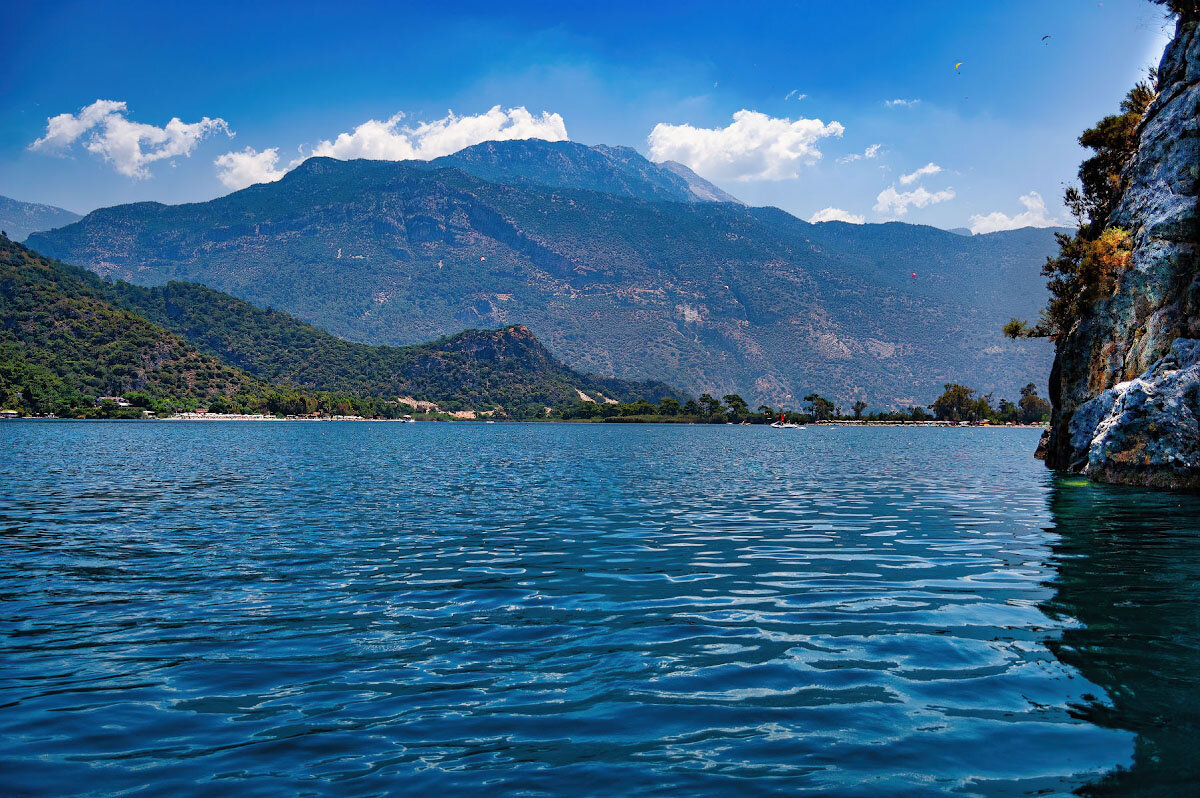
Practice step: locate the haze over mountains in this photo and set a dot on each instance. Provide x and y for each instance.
(620, 266)
(19, 219)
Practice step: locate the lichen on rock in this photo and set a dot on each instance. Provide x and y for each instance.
(1147, 430)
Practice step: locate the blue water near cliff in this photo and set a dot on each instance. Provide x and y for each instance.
(359, 609)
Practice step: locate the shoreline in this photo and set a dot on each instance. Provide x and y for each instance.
(215, 417)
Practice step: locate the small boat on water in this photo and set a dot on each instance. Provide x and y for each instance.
(782, 423)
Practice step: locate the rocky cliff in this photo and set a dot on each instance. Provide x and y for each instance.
(1126, 378)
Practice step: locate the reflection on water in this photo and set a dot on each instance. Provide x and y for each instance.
(1128, 585)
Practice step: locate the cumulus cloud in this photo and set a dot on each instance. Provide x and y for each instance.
(928, 169)
(240, 169)
(794, 94)
(753, 147)
(832, 214)
(898, 103)
(389, 141)
(106, 130)
(1034, 215)
(868, 153)
(898, 202)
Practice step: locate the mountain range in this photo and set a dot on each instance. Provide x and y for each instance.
(620, 266)
(68, 337)
(19, 219)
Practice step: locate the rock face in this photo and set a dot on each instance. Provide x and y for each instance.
(1147, 430)
(1126, 378)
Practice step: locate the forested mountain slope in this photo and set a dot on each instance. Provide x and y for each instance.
(67, 337)
(63, 344)
(708, 296)
(474, 369)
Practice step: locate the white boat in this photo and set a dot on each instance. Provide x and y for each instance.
(785, 425)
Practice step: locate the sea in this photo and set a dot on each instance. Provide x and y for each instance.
(350, 608)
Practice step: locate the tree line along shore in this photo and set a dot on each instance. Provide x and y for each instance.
(957, 405)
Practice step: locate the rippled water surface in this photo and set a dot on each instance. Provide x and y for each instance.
(354, 609)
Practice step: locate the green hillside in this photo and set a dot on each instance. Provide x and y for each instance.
(476, 369)
(63, 344)
(67, 337)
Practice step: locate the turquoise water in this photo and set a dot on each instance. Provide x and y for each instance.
(358, 609)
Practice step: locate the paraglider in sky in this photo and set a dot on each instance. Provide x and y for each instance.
(914, 275)
(1047, 36)
(956, 66)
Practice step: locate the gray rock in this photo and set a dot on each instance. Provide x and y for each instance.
(1124, 384)
(1145, 431)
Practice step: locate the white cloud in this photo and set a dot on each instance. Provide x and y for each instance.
(240, 169)
(898, 103)
(898, 202)
(868, 153)
(753, 147)
(832, 214)
(129, 146)
(928, 169)
(388, 141)
(1034, 215)
(794, 93)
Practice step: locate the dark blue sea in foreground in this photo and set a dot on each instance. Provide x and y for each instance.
(463, 609)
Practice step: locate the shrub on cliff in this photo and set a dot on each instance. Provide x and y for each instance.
(1089, 262)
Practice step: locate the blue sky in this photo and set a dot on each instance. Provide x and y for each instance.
(285, 78)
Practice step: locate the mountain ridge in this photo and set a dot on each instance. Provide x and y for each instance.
(711, 297)
(18, 219)
(621, 171)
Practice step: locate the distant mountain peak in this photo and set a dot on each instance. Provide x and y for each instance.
(621, 171)
(19, 219)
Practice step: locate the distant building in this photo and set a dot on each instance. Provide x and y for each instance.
(119, 401)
